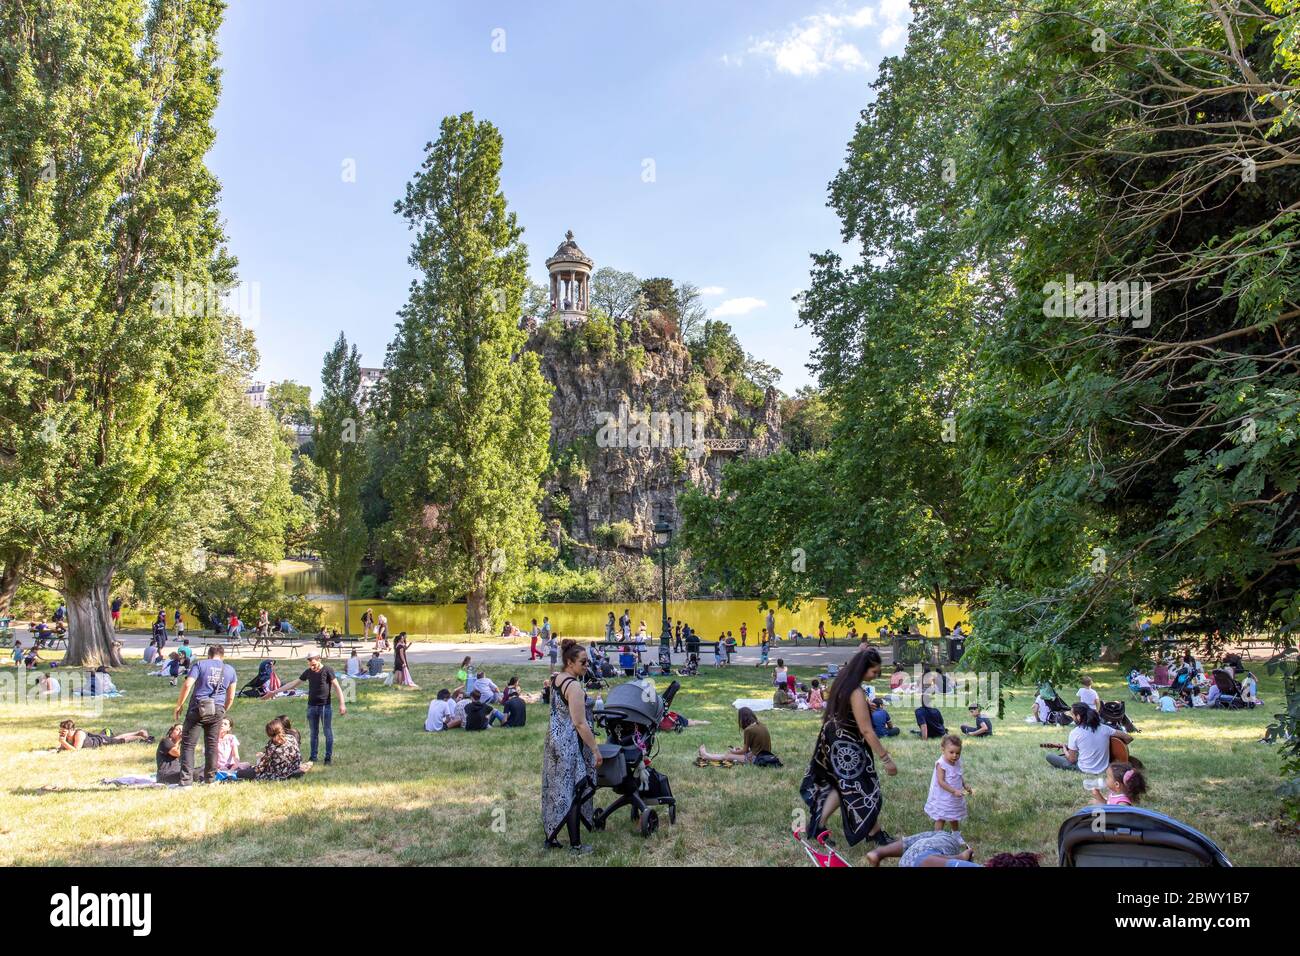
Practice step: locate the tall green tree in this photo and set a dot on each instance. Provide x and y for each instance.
(464, 405)
(616, 292)
(110, 257)
(289, 403)
(342, 462)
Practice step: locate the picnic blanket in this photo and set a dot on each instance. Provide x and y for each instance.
(753, 703)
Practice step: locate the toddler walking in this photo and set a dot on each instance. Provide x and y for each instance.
(946, 803)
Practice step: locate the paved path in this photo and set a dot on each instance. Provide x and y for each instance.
(805, 655)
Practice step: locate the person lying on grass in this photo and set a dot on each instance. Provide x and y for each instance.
(756, 741)
(71, 737)
(943, 848)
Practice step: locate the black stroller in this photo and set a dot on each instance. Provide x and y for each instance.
(257, 686)
(1058, 711)
(1231, 694)
(1132, 836)
(1114, 713)
(631, 718)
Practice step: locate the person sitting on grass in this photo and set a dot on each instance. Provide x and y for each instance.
(930, 720)
(228, 748)
(880, 720)
(1125, 785)
(488, 692)
(47, 684)
(782, 697)
(281, 759)
(982, 726)
(71, 737)
(756, 742)
(375, 666)
(515, 709)
(1167, 704)
(167, 758)
(442, 713)
(815, 699)
(354, 665)
(480, 715)
(1088, 746)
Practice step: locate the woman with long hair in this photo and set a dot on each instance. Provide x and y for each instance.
(401, 669)
(842, 773)
(571, 755)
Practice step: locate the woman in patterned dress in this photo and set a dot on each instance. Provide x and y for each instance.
(571, 756)
(281, 760)
(842, 774)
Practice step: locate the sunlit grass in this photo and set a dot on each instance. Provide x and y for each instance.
(397, 795)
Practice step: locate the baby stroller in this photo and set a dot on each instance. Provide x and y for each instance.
(631, 719)
(1231, 695)
(1058, 711)
(265, 681)
(1132, 836)
(1114, 713)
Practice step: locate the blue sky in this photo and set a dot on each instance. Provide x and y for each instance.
(744, 109)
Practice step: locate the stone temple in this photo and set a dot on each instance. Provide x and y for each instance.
(570, 270)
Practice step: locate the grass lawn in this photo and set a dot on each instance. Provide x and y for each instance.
(396, 795)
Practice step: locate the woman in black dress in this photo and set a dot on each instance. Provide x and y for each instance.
(842, 774)
(402, 673)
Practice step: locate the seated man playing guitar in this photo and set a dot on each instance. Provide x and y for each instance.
(1092, 745)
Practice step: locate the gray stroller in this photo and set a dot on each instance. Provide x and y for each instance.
(631, 719)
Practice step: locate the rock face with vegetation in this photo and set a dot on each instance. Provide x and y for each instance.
(608, 481)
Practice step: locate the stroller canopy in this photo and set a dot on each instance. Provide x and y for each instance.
(636, 701)
(1132, 836)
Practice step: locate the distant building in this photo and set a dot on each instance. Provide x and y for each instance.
(370, 379)
(570, 271)
(255, 394)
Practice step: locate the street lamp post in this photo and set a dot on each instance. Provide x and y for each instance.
(663, 535)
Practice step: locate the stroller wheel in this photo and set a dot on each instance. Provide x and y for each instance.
(649, 823)
(598, 819)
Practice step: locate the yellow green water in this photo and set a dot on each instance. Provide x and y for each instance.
(708, 618)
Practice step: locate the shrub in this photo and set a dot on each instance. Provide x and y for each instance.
(615, 535)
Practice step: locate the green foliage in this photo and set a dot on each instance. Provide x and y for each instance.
(636, 358)
(617, 534)
(225, 586)
(111, 260)
(465, 409)
(615, 293)
(559, 583)
(695, 394)
(341, 461)
(289, 403)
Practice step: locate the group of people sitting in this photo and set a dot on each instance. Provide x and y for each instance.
(1187, 685)
(279, 759)
(478, 705)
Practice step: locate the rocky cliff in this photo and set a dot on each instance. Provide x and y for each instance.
(634, 422)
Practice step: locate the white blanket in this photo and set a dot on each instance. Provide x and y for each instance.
(753, 703)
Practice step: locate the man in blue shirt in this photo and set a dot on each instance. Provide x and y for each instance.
(213, 684)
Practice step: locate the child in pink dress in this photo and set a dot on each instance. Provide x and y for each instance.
(947, 800)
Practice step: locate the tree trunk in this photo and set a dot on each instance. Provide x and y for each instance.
(90, 626)
(346, 591)
(9, 578)
(938, 612)
(477, 617)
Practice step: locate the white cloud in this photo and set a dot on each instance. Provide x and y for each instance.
(820, 42)
(741, 306)
(712, 290)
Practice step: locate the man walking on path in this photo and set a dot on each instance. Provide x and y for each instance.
(771, 625)
(213, 684)
(322, 684)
